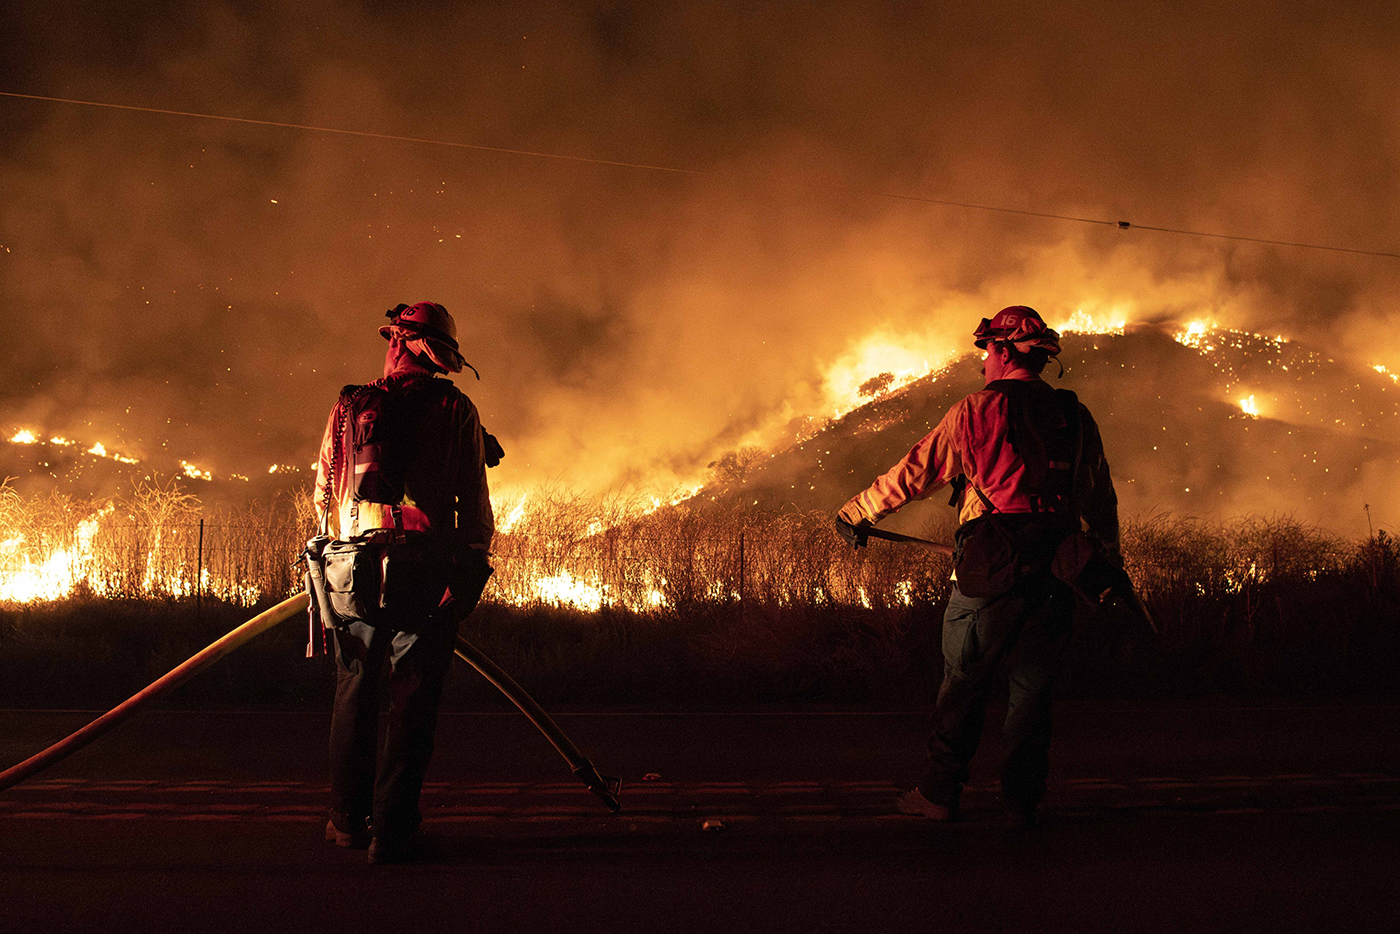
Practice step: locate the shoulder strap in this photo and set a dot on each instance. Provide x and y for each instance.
(1050, 453)
(991, 507)
(348, 394)
(1070, 402)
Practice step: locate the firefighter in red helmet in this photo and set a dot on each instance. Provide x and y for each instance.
(402, 477)
(1028, 471)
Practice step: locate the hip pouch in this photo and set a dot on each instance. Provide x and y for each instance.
(996, 551)
(985, 557)
(397, 585)
(1082, 564)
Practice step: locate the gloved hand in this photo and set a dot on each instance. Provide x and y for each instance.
(494, 452)
(857, 535)
(853, 525)
(472, 569)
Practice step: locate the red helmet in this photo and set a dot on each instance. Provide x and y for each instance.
(1019, 325)
(428, 319)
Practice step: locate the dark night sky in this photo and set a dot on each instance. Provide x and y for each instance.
(209, 285)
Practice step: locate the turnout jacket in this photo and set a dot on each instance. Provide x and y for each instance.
(974, 440)
(445, 491)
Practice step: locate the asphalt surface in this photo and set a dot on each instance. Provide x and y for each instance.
(1201, 817)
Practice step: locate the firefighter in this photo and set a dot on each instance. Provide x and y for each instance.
(1028, 471)
(402, 469)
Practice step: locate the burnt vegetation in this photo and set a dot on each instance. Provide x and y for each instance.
(699, 603)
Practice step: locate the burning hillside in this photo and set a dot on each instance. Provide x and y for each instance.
(36, 465)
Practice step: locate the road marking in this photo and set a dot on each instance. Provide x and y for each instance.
(656, 803)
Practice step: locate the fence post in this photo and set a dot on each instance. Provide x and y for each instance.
(199, 573)
(741, 570)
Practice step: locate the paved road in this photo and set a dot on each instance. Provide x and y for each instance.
(1164, 818)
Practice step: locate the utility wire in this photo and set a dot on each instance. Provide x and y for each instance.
(1125, 225)
(561, 157)
(364, 133)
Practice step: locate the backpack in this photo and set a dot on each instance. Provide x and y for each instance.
(996, 551)
(389, 577)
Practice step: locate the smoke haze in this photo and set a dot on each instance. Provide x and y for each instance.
(202, 289)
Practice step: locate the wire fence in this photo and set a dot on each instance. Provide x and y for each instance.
(591, 554)
(566, 552)
(789, 563)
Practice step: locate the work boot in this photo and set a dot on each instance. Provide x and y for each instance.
(348, 832)
(914, 802)
(394, 849)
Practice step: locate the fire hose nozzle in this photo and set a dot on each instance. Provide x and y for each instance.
(605, 787)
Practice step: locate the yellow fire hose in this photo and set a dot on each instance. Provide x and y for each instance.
(605, 788)
(179, 675)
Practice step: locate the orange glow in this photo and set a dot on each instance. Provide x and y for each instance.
(876, 367)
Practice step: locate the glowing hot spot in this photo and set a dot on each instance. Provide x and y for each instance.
(194, 473)
(1083, 322)
(563, 589)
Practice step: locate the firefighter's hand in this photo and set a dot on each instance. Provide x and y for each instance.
(857, 535)
(472, 571)
(493, 450)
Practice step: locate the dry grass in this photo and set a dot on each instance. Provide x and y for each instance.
(155, 542)
(609, 598)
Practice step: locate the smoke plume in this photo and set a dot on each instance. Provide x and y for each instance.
(201, 289)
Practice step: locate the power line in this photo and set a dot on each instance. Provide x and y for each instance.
(363, 133)
(562, 157)
(1125, 225)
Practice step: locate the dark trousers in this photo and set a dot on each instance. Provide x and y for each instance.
(1027, 628)
(418, 664)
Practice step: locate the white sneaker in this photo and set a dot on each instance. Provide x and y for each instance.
(914, 802)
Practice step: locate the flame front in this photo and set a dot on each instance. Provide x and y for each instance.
(876, 367)
(29, 574)
(98, 449)
(570, 551)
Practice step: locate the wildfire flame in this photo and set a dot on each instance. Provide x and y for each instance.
(564, 590)
(1196, 335)
(1249, 407)
(26, 577)
(513, 517)
(98, 449)
(1082, 322)
(194, 473)
(876, 367)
